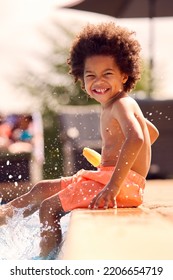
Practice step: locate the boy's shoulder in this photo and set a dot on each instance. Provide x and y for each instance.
(125, 103)
(123, 100)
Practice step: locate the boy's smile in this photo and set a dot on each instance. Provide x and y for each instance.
(102, 78)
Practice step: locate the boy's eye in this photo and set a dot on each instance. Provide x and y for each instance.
(89, 76)
(108, 73)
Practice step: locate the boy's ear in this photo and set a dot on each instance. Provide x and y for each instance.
(125, 78)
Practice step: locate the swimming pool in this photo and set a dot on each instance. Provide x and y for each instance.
(19, 239)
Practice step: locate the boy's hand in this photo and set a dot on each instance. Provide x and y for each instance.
(105, 199)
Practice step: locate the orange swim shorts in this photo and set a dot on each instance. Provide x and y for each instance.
(77, 191)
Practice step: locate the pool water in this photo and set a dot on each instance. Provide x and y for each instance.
(19, 239)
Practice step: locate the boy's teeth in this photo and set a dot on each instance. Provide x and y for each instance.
(100, 90)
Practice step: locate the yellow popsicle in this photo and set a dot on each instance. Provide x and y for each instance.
(92, 156)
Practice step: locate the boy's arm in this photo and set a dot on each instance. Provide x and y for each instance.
(130, 149)
(153, 131)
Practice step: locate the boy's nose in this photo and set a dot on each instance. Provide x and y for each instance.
(99, 80)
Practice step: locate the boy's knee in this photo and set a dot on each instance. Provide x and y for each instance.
(37, 188)
(45, 204)
(52, 203)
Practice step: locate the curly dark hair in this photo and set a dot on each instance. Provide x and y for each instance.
(106, 39)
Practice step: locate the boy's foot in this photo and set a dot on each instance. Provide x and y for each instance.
(5, 213)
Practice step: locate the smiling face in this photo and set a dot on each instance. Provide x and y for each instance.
(102, 78)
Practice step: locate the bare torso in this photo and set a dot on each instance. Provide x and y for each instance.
(113, 139)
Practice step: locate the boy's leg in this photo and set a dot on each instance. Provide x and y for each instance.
(33, 199)
(50, 214)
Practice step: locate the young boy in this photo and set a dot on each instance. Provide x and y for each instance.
(105, 58)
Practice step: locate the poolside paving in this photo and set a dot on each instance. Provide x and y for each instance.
(143, 233)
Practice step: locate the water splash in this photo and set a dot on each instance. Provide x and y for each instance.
(19, 239)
